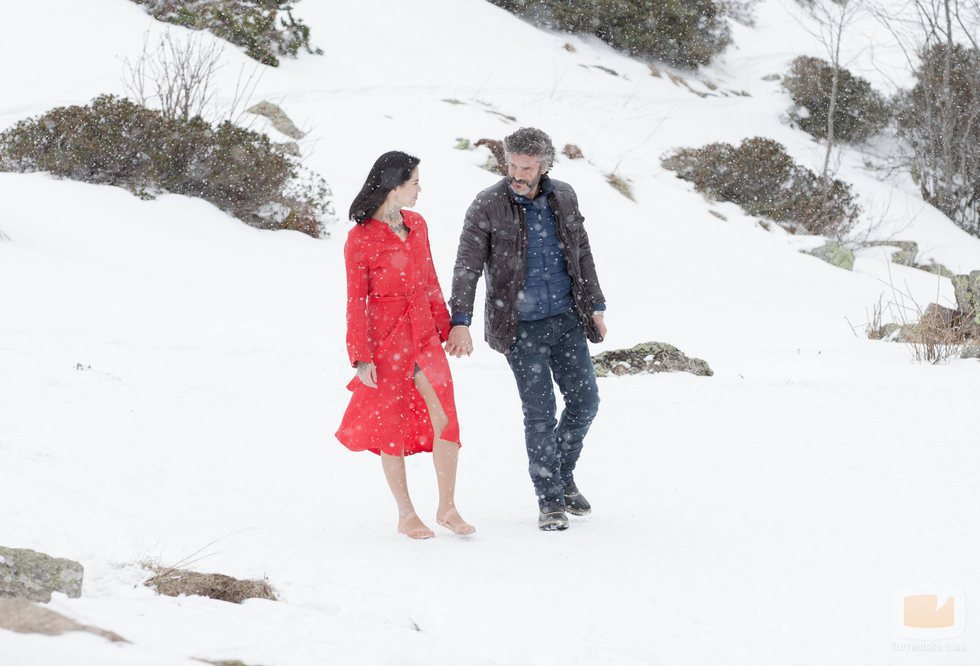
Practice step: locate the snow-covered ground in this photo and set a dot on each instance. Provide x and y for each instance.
(170, 379)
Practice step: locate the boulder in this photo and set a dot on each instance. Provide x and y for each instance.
(27, 617)
(28, 574)
(967, 290)
(905, 254)
(278, 118)
(935, 267)
(289, 148)
(648, 357)
(835, 254)
(942, 317)
(938, 325)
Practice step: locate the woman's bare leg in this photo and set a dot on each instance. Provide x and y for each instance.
(445, 457)
(408, 521)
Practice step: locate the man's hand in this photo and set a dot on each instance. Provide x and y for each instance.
(600, 323)
(459, 343)
(368, 374)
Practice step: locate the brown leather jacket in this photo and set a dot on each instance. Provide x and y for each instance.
(494, 242)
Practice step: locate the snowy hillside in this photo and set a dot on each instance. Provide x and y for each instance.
(171, 379)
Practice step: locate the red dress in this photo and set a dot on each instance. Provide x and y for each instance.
(396, 317)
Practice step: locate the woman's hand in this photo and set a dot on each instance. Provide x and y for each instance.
(368, 374)
(459, 343)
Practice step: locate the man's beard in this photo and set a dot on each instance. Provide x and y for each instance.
(531, 186)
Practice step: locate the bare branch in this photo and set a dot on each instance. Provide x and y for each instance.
(179, 72)
(244, 91)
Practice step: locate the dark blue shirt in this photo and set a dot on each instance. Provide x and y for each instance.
(547, 287)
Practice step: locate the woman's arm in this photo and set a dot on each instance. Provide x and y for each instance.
(358, 282)
(437, 301)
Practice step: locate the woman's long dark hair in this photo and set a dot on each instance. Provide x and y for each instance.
(389, 171)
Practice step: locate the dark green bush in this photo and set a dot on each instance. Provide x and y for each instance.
(114, 141)
(687, 33)
(762, 178)
(265, 28)
(859, 113)
(939, 122)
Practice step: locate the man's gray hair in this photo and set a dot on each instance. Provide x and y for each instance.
(531, 141)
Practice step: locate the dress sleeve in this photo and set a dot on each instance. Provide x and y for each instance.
(358, 281)
(437, 302)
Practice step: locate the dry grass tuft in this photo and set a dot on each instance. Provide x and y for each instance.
(934, 334)
(175, 582)
(620, 185)
(938, 336)
(875, 329)
(496, 147)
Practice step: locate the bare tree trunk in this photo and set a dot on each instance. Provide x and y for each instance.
(837, 31)
(833, 16)
(947, 106)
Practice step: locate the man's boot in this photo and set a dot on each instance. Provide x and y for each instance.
(552, 517)
(575, 502)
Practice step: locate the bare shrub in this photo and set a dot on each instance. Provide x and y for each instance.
(937, 337)
(686, 33)
(175, 75)
(174, 582)
(939, 120)
(114, 141)
(761, 177)
(496, 147)
(266, 29)
(859, 111)
(934, 334)
(874, 329)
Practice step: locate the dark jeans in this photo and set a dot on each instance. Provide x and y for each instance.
(554, 346)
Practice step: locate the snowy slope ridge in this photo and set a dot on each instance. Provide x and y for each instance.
(170, 378)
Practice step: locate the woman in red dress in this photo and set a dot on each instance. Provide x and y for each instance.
(397, 320)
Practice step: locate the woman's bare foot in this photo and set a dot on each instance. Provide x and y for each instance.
(412, 526)
(454, 522)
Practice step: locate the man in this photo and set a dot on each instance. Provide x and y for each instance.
(543, 302)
